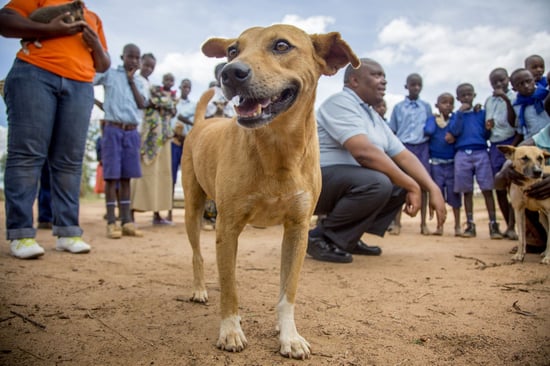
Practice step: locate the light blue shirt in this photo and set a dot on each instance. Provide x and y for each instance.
(344, 115)
(408, 119)
(119, 103)
(496, 109)
(542, 138)
(186, 108)
(534, 121)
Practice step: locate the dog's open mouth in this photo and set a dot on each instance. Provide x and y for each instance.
(255, 112)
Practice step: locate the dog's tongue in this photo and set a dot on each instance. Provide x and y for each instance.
(251, 107)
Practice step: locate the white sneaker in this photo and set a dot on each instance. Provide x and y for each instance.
(26, 248)
(73, 244)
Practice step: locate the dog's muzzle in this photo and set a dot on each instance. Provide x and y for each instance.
(257, 106)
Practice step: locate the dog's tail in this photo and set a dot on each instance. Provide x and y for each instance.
(200, 110)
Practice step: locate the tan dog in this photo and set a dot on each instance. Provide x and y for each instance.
(530, 162)
(261, 167)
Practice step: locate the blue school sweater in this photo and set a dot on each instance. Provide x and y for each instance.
(469, 130)
(439, 148)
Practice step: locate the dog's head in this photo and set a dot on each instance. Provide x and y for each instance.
(271, 68)
(76, 12)
(529, 161)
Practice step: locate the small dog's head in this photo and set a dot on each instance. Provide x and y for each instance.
(272, 68)
(529, 161)
(76, 12)
(220, 108)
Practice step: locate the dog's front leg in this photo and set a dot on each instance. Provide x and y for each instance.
(231, 334)
(520, 217)
(292, 258)
(544, 218)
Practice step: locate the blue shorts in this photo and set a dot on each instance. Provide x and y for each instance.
(473, 163)
(422, 152)
(496, 156)
(177, 150)
(444, 176)
(120, 153)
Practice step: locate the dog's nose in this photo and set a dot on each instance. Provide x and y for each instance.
(234, 76)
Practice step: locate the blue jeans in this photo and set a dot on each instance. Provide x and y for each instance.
(44, 196)
(177, 151)
(48, 118)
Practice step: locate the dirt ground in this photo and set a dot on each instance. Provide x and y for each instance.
(426, 301)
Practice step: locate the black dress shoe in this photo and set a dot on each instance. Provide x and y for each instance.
(363, 249)
(325, 251)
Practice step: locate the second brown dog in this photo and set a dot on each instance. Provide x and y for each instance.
(529, 161)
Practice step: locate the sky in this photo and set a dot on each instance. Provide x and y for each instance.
(446, 42)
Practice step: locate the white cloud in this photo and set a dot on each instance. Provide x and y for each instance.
(200, 69)
(313, 24)
(446, 56)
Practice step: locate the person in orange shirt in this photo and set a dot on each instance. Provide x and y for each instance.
(49, 97)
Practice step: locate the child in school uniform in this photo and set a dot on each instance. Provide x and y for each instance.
(467, 126)
(442, 152)
(531, 117)
(125, 96)
(500, 119)
(535, 64)
(407, 121)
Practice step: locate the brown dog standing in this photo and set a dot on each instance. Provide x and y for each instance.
(530, 162)
(261, 167)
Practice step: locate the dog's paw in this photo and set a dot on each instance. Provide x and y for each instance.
(296, 347)
(518, 257)
(199, 296)
(545, 259)
(231, 335)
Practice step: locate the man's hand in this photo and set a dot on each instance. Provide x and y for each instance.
(508, 175)
(539, 190)
(437, 204)
(413, 202)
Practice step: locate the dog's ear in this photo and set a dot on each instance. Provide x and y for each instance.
(334, 52)
(546, 155)
(507, 150)
(216, 47)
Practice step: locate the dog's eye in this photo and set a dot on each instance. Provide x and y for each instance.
(282, 46)
(525, 159)
(232, 52)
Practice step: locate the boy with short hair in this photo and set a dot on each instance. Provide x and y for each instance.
(467, 126)
(535, 64)
(125, 95)
(442, 152)
(531, 116)
(407, 122)
(500, 119)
